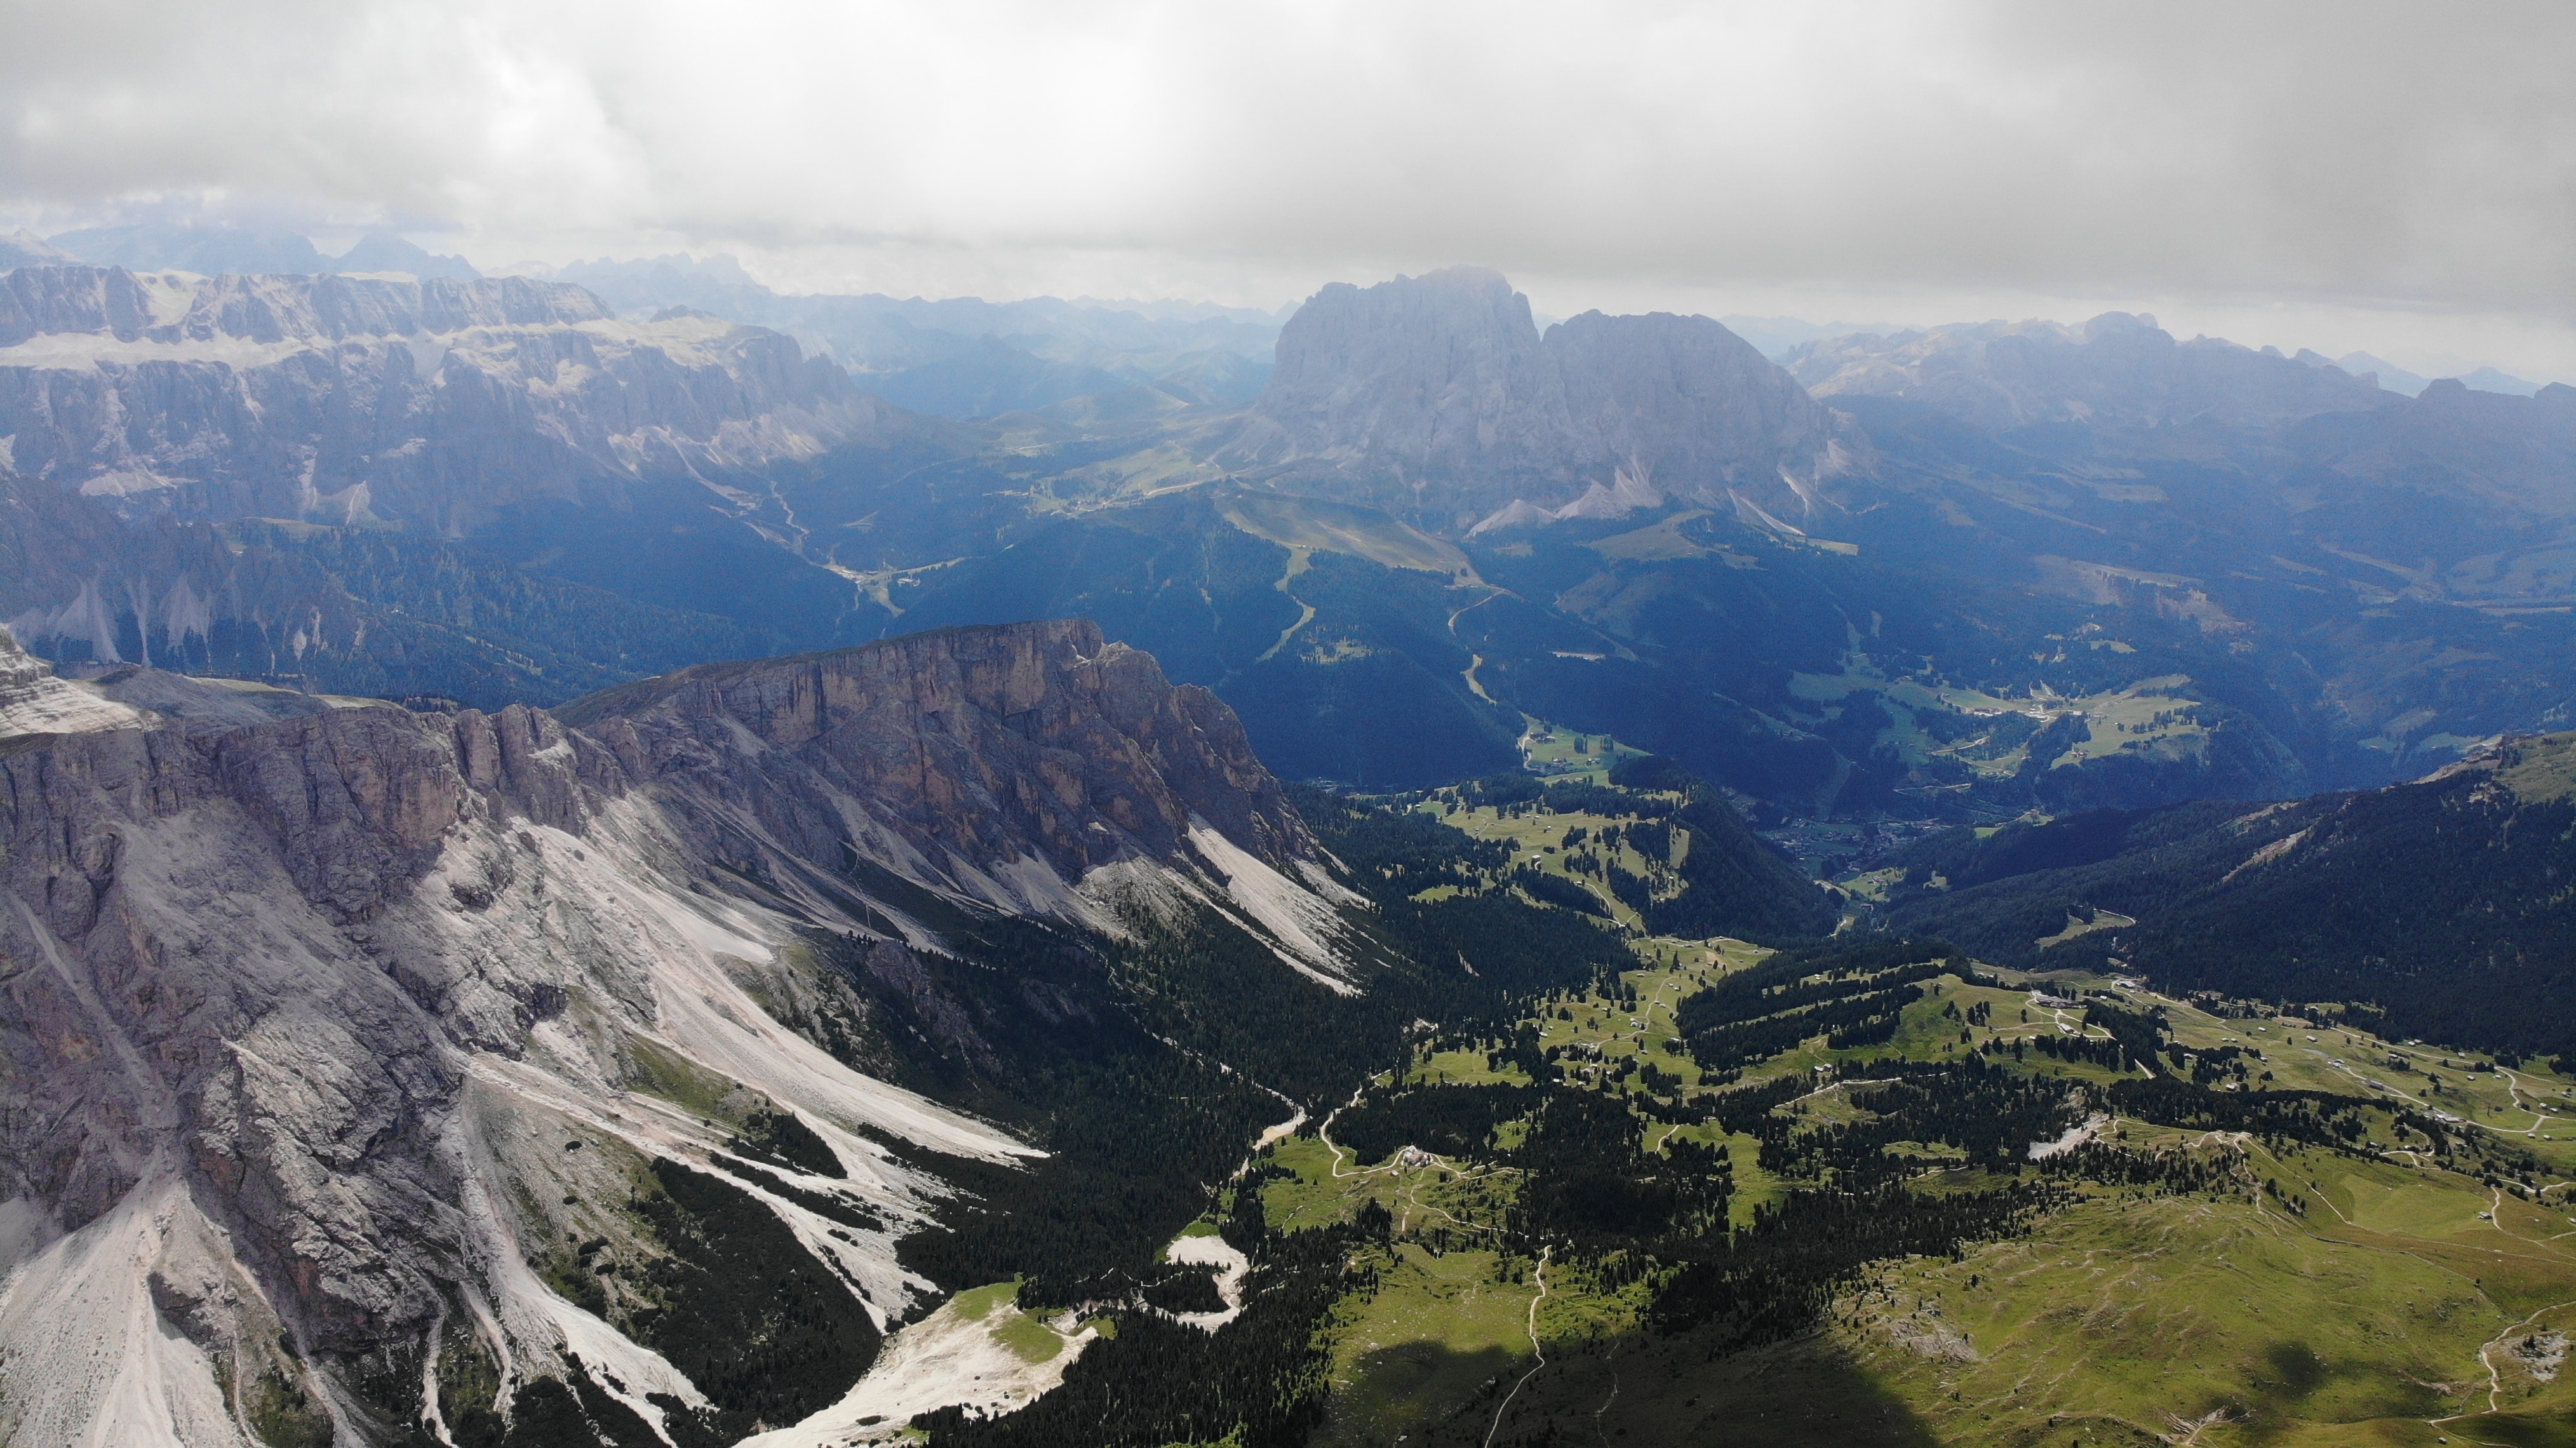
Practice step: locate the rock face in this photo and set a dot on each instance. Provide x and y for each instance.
(1039, 743)
(33, 701)
(322, 1026)
(1437, 397)
(362, 399)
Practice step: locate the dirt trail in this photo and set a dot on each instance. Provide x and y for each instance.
(2511, 1088)
(1839, 1085)
(1324, 1134)
(1536, 1347)
(2495, 1377)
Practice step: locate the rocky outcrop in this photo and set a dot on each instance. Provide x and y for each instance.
(1436, 396)
(322, 1022)
(982, 747)
(34, 702)
(429, 404)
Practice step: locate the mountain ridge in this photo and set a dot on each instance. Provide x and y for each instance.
(2443, 901)
(308, 994)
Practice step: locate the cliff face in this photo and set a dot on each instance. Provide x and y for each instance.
(349, 399)
(1698, 411)
(1436, 396)
(1040, 742)
(303, 1005)
(33, 701)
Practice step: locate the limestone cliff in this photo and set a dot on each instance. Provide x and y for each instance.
(328, 1030)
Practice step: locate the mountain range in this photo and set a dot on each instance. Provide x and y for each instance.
(1970, 570)
(965, 358)
(576, 874)
(218, 250)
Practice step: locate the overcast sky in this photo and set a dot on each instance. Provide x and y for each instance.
(2397, 178)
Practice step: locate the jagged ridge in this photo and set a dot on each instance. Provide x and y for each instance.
(302, 1003)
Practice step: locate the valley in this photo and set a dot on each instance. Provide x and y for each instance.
(2162, 572)
(2094, 1211)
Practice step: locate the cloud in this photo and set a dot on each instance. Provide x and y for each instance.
(2400, 156)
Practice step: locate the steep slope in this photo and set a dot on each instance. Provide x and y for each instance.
(2446, 902)
(345, 610)
(1732, 883)
(379, 1077)
(1033, 768)
(2501, 454)
(1435, 397)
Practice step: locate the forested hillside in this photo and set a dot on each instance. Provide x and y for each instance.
(2449, 903)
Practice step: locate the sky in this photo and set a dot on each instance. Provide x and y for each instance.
(2393, 178)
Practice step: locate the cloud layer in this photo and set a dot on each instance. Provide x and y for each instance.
(2382, 156)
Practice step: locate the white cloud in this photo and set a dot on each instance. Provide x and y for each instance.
(2333, 159)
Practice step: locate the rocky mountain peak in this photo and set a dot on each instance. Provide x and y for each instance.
(34, 702)
(1437, 396)
(1695, 412)
(1410, 382)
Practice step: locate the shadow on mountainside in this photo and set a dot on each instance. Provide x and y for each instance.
(1656, 1390)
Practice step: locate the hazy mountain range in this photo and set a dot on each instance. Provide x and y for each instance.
(982, 359)
(1965, 569)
